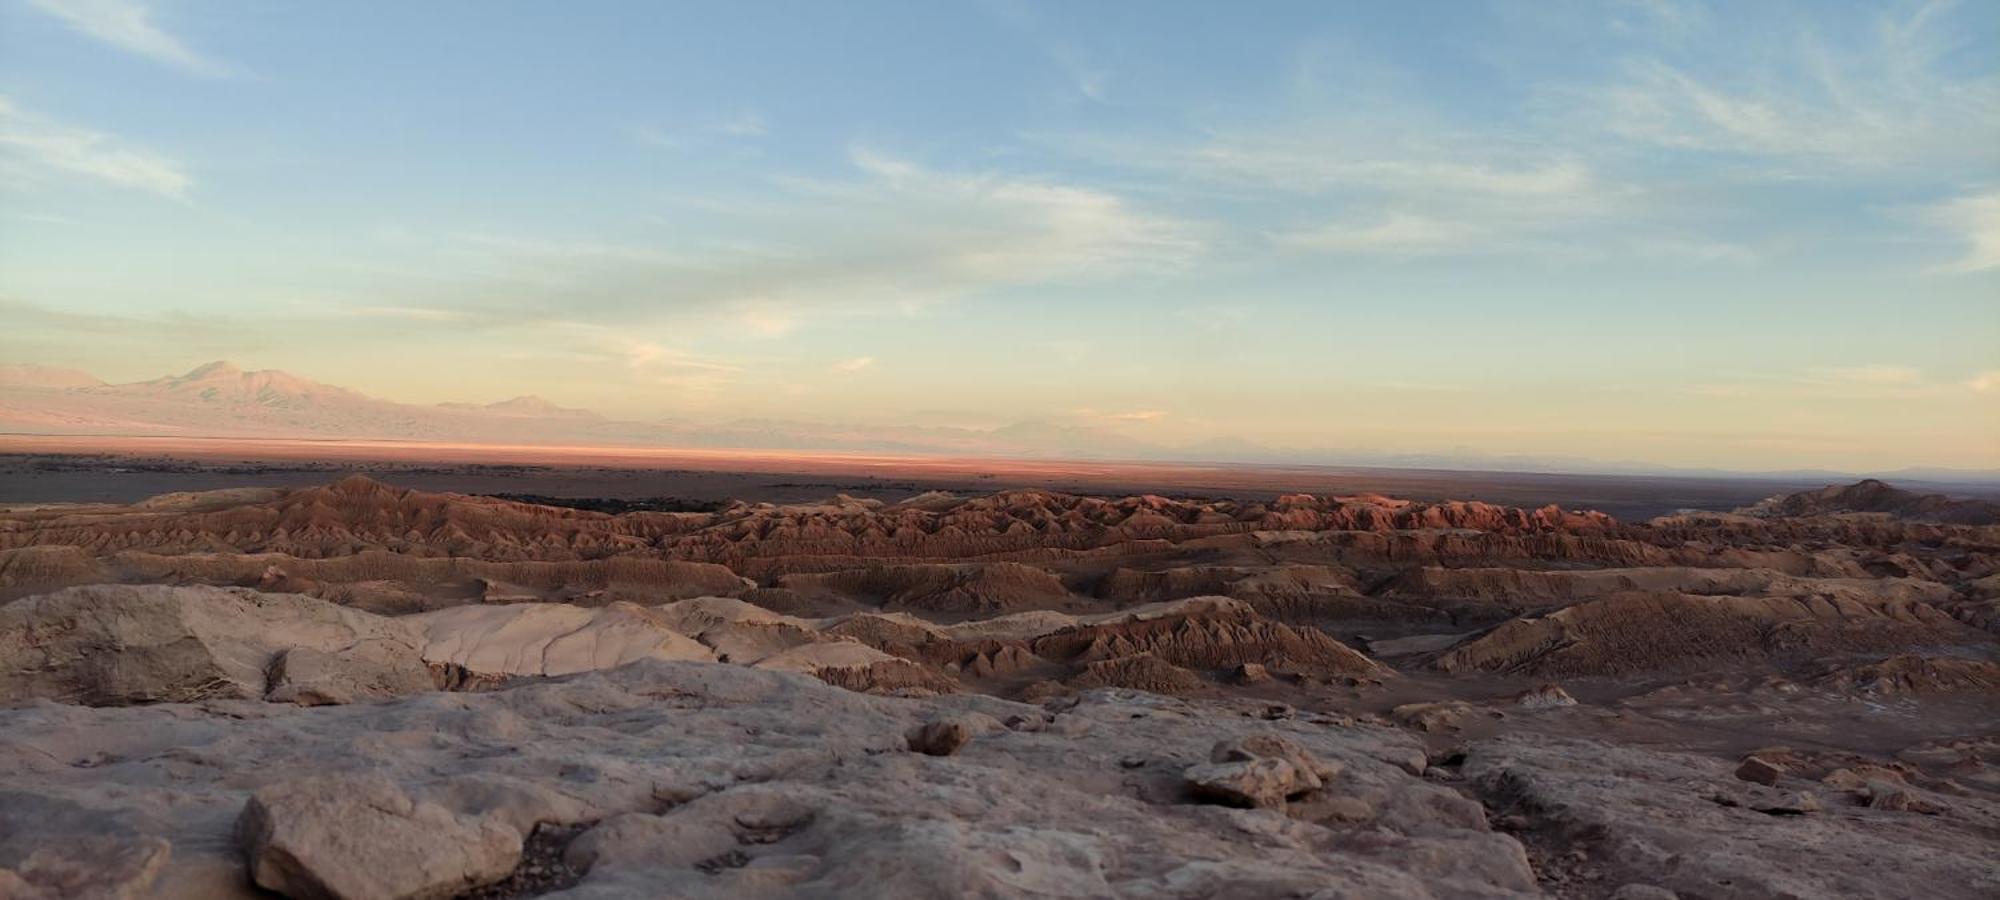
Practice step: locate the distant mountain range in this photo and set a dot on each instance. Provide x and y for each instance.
(222, 400)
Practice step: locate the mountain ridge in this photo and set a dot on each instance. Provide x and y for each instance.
(221, 399)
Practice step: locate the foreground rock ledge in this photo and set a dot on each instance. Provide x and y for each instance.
(707, 780)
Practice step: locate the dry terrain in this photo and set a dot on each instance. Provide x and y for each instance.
(123, 469)
(358, 688)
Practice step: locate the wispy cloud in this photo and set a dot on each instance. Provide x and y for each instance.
(1974, 220)
(744, 124)
(1373, 153)
(1397, 234)
(650, 361)
(1985, 381)
(35, 148)
(128, 25)
(1087, 80)
(1034, 228)
(1674, 19)
(1620, 155)
(1808, 100)
(1385, 178)
(851, 366)
(1093, 415)
(893, 238)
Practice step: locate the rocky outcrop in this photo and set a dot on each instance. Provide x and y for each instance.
(1687, 824)
(116, 644)
(312, 676)
(1220, 637)
(551, 639)
(1640, 632)
(984, 588)
(702, 780)
(1872, 496)
(651, 704)
(1910, 674)
(110, 645)
(1261, 770)
(1511, 591)
(89, 865)
(359, 514)
(1241, 582)
(1139, 672)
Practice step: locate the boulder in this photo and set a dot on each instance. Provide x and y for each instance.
(940, 738)
(1265, 783)
(1758, 770)
(1258, 771)
(363, 837)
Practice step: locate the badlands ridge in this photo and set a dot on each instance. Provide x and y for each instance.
(356, 690)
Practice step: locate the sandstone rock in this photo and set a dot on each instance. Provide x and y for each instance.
(616, 747)
(1548, 696)
(1639, 631)
(1208, 633)
(310, 676)
(889, 677)
(99, 866)
(1139, 672)
(1251, 673)
(1894, 797)
(969, 588)
(1911, 674)
(551, 639)
(117, 644)
(1258, 771)
(362, 836)
(1648, 827)
(942, 738)
(1257, 782)
(1441, 716)
(1760, 771)
(1797, 803)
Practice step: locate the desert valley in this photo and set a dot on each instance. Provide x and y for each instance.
(1126, 450)
(357, 689)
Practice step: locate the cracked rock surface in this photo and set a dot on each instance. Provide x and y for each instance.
(699, 779)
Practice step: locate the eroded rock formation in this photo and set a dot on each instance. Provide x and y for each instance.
(358, 690)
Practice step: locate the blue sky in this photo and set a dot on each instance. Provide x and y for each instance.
(1750, 235)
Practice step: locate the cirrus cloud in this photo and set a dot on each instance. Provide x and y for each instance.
(35, 148)
(129, 26)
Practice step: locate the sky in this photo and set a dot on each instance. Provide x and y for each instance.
(1755, 235)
